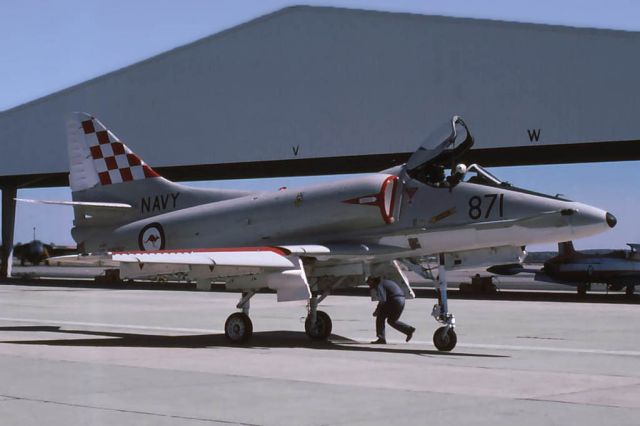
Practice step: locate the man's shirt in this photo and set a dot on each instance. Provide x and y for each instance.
(387, 290)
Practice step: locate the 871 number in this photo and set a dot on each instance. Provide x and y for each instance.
(476, 208)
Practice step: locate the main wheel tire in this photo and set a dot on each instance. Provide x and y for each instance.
(445, 340)
(238, 328)
(321, 330)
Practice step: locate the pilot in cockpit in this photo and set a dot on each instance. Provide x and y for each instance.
(434, 175)
(457, 175)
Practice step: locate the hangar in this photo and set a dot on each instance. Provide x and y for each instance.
(310, 90)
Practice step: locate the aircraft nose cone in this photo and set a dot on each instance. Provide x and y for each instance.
(611, 220)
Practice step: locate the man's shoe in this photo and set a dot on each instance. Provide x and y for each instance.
(410, 334)
(379, 342)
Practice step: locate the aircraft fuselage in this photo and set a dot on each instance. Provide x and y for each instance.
(388, 209)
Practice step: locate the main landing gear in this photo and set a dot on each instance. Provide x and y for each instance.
(583, 288)
(238, 328)
(630, 290)
(318, 323)
(444, 338)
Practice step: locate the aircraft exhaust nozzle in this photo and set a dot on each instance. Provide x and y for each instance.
(611, 220)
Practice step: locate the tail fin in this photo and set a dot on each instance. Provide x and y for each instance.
(112, 186)
(103, 172)
(566, 249)
(98, 157)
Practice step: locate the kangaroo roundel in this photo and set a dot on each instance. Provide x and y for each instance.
(151, 237)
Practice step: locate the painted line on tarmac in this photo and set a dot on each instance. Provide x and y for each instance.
(548, 349)
(108, 325)
(516, 348)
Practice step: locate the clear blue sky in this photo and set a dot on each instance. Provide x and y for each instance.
(43, 47)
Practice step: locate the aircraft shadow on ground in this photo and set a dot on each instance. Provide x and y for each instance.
(267, 339)
(568, 296)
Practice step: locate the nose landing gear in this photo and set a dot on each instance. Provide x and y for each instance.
(445, 337)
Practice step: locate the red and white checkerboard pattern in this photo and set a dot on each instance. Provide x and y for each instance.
(115, 163)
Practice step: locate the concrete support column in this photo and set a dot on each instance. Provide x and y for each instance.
(8, 222)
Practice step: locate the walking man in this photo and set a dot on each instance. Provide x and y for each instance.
(390, 306)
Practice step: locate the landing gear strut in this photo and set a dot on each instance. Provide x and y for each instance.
(444, 338)
(318, 323)
(583, 288)
(238, 328)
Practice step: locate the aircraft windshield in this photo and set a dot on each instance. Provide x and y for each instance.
(476, 174)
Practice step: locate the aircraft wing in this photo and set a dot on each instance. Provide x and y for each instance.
(229, 258)
(343, 251)
(245, 268)
(251, 267)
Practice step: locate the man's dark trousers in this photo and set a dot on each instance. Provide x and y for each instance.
(391, 311)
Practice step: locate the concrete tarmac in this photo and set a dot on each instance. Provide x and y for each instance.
(84, 356)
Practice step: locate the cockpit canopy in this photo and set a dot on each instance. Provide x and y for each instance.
(439, 152)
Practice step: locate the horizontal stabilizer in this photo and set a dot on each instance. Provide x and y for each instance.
(77, 203)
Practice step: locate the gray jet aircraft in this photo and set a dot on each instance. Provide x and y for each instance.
(306, 242)
(618, 269)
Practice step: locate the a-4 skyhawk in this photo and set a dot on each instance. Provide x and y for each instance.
(306, 242)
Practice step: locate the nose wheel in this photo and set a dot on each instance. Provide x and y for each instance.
(445, 339)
